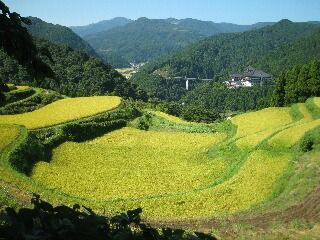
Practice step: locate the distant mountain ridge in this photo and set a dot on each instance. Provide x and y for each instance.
(59, 35)
(273, 49)
(145, 39)
(101, 26)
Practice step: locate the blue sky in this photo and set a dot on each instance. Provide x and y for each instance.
(82, 12)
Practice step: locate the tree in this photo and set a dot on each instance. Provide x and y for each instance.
(297, 84)
(17, 42)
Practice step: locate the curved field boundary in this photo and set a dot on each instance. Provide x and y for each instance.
(268, 118)
(313, 105)
(290, 136)
(18, 96)
(8, 134)
(171, 118)
(164, 122)
(62, 111)
(20, 88)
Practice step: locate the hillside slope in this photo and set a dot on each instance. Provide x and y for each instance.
(254, 167)
(101, 26)
(145, 39)
(76, 74)
(227, 53)
(58, 34)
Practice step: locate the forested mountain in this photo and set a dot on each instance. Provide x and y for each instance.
(146, 39)
(140, 41)
(208, 28)
(297, 84)
(101, 26)
(227, 53)
(58, 34)
(300, 51)
(76, 74)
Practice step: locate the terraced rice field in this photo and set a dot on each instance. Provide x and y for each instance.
(62, 111)
(135, 164)
(170, 174)
(262, 120)
(317, 101)
(7, 135)
(21, 88)
(288, 137)
(170, 118)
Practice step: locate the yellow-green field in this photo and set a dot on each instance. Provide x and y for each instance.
(288, 137)
(62, 111)
(131, 163)
(7, 135)
(21, 88)
(317, 101)
(249, 186)
(169, 174)
(262, 120)
(170, 117)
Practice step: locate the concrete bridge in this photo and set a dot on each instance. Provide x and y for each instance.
(189, 80)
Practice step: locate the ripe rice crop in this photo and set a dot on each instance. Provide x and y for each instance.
(170, 117)
(262, 120)
(168, 174)
(317, 101)
(130, 163)
(7, 135)
(250, 186)
(20, 88)
(254, 139)
(288, 137)
(62, 111)
(305, 112)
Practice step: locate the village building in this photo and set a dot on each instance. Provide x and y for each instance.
(249, 78)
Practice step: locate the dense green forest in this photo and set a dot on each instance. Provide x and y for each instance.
(224, 54)
(297, 84)
(218, 98)
(101, 26)
(300, 51)
(208, 28)
(146, 39)
(58, 34)
(141, 40)
(75, 74)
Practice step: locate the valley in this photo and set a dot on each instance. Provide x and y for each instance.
(158, 127)
(170, 172)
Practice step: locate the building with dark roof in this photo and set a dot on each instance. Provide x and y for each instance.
(249, 77)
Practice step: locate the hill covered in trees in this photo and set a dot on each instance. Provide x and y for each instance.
(58, 34)
(145, 39)
(273, 48)
(101, 26)
(297, 84)
(224, 54)
(75, 74)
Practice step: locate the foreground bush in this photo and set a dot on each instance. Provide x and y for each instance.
(45, 222)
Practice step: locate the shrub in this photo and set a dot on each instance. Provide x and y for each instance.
(199, 114)
(306, 144)
(45, 222)
(310, 139)
(144, 122)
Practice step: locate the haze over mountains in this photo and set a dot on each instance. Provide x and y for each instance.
(120, 41)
